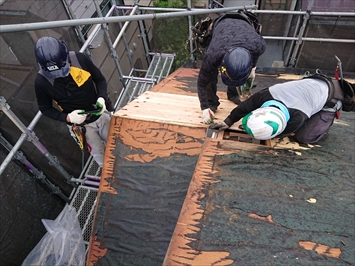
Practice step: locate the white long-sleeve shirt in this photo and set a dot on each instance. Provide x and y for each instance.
(306, 95)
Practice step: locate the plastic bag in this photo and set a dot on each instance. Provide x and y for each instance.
(63, 243)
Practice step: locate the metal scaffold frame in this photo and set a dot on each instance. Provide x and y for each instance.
(159, 64)
(85, 188)
(152, 77)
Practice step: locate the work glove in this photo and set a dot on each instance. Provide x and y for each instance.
(76, 118)
(252, 73)
(100, 103)
(219, 125)
(207, 116)
(250, 81)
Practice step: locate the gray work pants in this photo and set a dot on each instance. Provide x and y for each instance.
(96, 136)
(315, 127)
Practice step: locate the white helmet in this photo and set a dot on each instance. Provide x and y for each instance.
(266, 122)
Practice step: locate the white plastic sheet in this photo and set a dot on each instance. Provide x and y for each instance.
(62, 244)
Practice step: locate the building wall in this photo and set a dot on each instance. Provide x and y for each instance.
(18, 72)
(25, 201)
(308, 55)
(322, 54)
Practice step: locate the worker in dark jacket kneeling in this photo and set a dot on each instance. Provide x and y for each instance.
(306, 107)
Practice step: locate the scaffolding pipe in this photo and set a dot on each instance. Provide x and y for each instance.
(173, 12)
(93, 33)
(129, 52)
(102, 20)
(286, 62)
(306, 18)
(285, 12)
(122, 31)
(192, 57)
(36, 173)
(109, 43)
(258, 11)
(27, 133)
(307, 39)
(144, 38)
(288, 23)
(140, 79)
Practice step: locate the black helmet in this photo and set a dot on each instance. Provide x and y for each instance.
(236, 66)
(52, 57)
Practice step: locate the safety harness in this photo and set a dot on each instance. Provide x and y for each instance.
(79, 133)
(78, 130)
(203, 30)
(338, 89)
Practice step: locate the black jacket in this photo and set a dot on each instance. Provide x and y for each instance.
(66, 93)
(228, 33)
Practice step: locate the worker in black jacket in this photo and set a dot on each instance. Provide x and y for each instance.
(76, 85)
(234, 47)
(306, 107)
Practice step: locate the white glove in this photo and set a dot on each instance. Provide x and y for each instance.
(250, 81)
(100, 103)
(77, 118)
(219, 125)
(207, 116)
(252, 73)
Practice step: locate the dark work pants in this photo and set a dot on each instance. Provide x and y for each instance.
(213, 99)
(315, 127)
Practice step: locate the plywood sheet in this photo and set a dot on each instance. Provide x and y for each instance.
(172, 109)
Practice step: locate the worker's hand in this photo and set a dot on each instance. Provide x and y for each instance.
(100, 103)
(219, 125)
(207, 116)
(250, 81)
(76, 118)
(252, 73)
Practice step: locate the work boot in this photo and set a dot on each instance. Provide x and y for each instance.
(235, 99)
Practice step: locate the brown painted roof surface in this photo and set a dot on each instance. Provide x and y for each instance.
(169, 195)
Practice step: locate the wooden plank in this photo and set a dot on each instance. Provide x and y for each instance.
(173, 109)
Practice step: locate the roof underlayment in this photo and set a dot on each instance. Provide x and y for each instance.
(169, 195)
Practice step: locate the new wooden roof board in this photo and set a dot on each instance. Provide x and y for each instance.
(169, 195)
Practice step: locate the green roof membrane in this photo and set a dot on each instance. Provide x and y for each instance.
(134, 225)
(306, 196)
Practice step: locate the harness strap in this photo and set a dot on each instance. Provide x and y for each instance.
(79, 133)
(335, 93)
